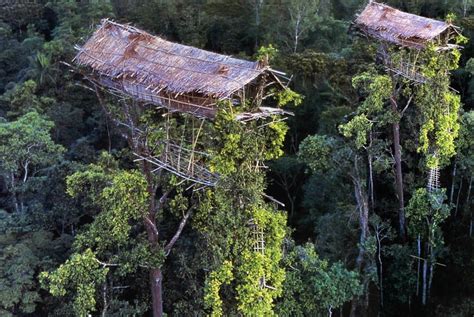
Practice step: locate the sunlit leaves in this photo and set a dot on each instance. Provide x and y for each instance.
(27, 141)
(439, 107)
(313, 286)
(82, 272)
(214, 282)
(316, 151)
(425, 213)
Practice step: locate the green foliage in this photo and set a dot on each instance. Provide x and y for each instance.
(316, 151)
(23, 99)
(252, 296)
(287, 96)
(122, 198)
(266, 53)
(400, 284)
(439, 107)
(124, 201)
(26, 147)
(341, 85)
(378, 89)
(213, 285)
(240, 150)
(465, 155)
(83, 273)
(425, 213)
(21, 256)
(359, 126)
(240, 144)
(313, 286)
(27, 142)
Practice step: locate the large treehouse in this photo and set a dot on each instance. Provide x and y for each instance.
(150, 71)
(146, 71)
(178, 77)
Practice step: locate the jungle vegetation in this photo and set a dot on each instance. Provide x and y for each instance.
(72, 199)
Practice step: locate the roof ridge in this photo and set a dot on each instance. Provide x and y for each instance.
(390, 24)
(123, 52)
(129, 27)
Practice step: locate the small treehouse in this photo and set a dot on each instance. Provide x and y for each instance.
(152, 72)
(408, 34)
(395, 28)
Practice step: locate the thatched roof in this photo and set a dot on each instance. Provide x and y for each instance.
(134, 57)
(391, 25)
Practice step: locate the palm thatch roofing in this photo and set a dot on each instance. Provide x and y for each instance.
(388, 24)
(176, 76)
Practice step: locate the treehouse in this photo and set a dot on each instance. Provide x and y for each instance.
(150, 71)
(414, 33)
(180, 78)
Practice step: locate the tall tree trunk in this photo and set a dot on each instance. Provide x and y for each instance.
(156, 278)
(430, 280)
(468, 205)
(470, 227)
(156, 275)
(418, 244)
(458, 196)
(379, 257)
(13, 191)
(297, 29)
(371, 174)
(362, 205)
(453, 181)
(363, 208)
(397, 149)
(469, 189)
(424, 277)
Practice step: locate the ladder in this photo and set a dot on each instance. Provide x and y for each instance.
(433, 179)
(259, 247)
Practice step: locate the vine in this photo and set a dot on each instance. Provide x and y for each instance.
(249, 278)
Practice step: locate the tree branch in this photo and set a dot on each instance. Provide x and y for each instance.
(162, 199)
(406, 107)
(178, 232)
(106, 264)
(152, 226)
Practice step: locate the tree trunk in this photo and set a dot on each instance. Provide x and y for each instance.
(363, 208)
(418, 244)
(379, 256)
(397, 149)
(470, 227)
(156, 275)
(457, 199)
(13, 191)
(371, 182)
(468, 205)
(104, 299)
(468, 197)
(362, 205)
(424, 276)
(371, 173)
(453, 181)
(258, 8)
(297, 31)
(430, 280)
(156, 278)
